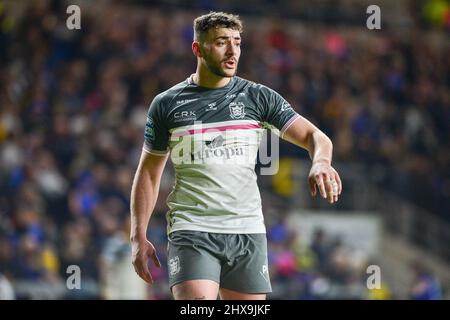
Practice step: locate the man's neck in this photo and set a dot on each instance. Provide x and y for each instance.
(204, 78)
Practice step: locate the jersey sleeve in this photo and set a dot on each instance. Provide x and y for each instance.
(276, 112)
(156, 135)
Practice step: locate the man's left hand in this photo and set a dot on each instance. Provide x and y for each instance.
(323, 176)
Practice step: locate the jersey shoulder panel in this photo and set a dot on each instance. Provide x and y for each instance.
(166, 98)
(275, 111)
(156, 134)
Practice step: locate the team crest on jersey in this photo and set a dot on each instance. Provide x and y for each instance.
(237, 110)
(174, 266)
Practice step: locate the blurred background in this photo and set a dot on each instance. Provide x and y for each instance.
(73, 105)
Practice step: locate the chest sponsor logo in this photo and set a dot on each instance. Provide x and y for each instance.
(217, 148)
(237, 110)
(185, 116)
(216, 142)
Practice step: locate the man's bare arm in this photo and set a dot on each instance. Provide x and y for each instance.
(144, 194)
(306, 135)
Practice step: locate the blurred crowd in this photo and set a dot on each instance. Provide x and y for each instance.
(72, 112)
(324, 268)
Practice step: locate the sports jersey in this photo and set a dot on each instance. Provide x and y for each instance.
(213, 136)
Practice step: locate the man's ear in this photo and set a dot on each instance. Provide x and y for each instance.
(196, 49)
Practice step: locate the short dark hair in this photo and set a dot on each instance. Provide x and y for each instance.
(216, 20)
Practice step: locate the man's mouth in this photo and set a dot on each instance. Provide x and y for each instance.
(231, 64)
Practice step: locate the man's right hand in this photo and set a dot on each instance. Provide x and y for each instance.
(142, 250)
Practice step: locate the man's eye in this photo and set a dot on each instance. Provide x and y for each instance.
(238, 44)
(220, 43)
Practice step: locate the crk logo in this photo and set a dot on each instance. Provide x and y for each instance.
(237, 110)
(215, 143)
(184, 114)
(174, 266)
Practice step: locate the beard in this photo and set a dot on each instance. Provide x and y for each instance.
(216, 69)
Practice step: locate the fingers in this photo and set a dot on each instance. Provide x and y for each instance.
(321, 185)
(155, 259)
(335, 197)
(335, 189)
(141, 268)
(338, 180)
(141, 263)
(329, 187)
(328, 182)
(312, 187)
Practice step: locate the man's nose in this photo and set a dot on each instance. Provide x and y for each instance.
(231, 50)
